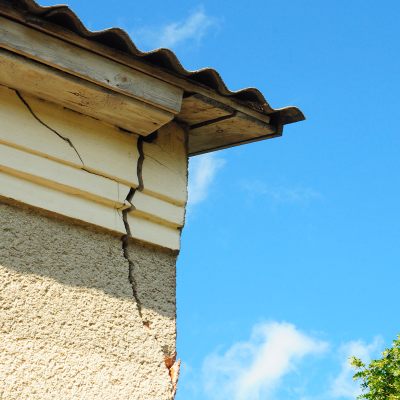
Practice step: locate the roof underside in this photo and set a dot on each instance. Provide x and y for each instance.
(217, 117)
(118, 39)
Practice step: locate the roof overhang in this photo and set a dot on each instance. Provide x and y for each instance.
(103, 75)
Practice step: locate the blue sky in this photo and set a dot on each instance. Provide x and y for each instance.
(290, 255)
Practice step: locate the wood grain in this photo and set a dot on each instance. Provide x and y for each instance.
(132, 61)
(239, 129)
(79, 95)
(198, 108)
(82, 63)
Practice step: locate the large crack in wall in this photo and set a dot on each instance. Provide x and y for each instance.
(130, 195)
(48, 127)
(171, 364)
(125, 213)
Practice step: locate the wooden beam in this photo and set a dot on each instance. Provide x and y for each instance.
(227, 131)
(198, 108)
(68, 91)
(128, 60)
(82, 63)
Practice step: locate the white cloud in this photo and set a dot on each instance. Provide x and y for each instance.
(251, 370)
(282, 194)
(192, 28)
(343, 385)
(202, 170)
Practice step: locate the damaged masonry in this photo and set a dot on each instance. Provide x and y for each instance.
(95, 137)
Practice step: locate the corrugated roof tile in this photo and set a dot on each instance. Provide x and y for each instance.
(116, 38)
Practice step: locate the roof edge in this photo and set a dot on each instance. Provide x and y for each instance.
(117, 39)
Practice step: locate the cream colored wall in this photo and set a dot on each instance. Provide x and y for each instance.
(90, 224)
(79, 167)
(92, 204)
(71, 325)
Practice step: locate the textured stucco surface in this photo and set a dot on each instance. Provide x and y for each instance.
(153, 275)
(70, 327)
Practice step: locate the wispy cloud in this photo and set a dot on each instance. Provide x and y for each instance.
(282, 194)
(343, 385)
(193, 29)
(251, 370)
(202, 171)
(279, 361)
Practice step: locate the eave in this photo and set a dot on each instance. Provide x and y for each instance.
(217, 118)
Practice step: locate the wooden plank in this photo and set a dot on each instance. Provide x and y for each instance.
(157, 210)
(198, 108)
(85, 97)
(72, 59)
(229, 132)
(61, 177)
(131, 61)
(164, 170)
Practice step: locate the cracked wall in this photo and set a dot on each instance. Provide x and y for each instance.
(152, 270)
(69, 324)
(83, 314)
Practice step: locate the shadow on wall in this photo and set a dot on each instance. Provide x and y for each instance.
(71, 255)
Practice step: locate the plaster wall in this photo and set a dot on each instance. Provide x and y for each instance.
(71, 325)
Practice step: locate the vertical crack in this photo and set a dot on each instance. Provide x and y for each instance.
(48, 127)
(140, 164)
(171, 364)
(125, 213)
(125, 248)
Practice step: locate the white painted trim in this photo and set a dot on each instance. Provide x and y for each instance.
(72, 165)
(102, 148)
(87, 211)
(62, 203)
(61, 177)
(151, 232)
(158, 210)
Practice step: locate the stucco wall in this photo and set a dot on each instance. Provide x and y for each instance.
(70, 327)
(152, 275)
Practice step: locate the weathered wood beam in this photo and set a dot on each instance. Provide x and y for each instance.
(68, 91)
(128, 60)
(228, 131)
(85, 64)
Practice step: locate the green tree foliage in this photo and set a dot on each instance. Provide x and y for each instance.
(381, 379)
